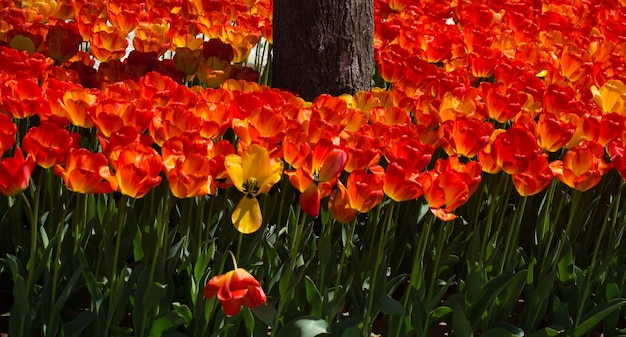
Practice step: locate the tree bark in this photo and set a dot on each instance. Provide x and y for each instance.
(323, 46)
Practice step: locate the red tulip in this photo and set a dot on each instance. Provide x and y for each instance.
(15, 173)
(234, 289)
(8, 130)
(49, 144)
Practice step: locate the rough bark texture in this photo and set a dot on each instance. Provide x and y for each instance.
(323, 46)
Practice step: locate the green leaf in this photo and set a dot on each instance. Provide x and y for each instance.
(306, 326)
(165, 322)
(538, 300)
(248, 321)
(389, 306)
(499, 332)
(347, 328)
(74, 327)
(565, 265)
(552, 331)
(597, 314)
(509, 296)
(183, 311)
(440, 312)
(265, 313)
(461, 326)
(21, 303)
(313, 296)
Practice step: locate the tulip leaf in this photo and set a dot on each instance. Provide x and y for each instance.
(500, 332)
(266, 313)
(306, 326)
(440, 312)
(550, 331)
(565, 264)
(313, 296)
(597, 314)
(74, 327)
(389, 306)
(461, 326)
(165, 322)
(347, 328)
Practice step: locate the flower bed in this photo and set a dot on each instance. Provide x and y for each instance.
(479, 184)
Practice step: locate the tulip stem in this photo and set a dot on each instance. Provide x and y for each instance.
(232, 256)
(382, 243)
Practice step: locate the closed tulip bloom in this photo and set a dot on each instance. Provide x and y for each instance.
(49, 144)
(137, 169)
(15, 173)
(234, 289)
(582, 166)
(8, 130)
(82, 172)
(535, 178)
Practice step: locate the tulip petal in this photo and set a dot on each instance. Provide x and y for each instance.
(247, 216)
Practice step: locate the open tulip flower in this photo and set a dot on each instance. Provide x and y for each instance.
(234, 289)
(317, 175)
(253, 173)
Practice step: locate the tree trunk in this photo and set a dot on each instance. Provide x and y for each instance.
(323, 46)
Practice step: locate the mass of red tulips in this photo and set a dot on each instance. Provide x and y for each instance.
(531, 91)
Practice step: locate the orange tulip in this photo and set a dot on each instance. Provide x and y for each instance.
(363, 192)
(110, 115)
(400, 181)
(49, 144)
(137, 169)
(107, 42)
(403, 143)
(582, 166)
(234, 289)
(464, 136)
(187, 166)
(449, 185)
(76, 103)
(82, 172)
(575, 63)
(483, 60)
(152, 36)
(125, 16)
(535, 178)
(514, 149)
(485, 157)
(15, 173)
(503, 103)
(21, 98)
(317, 173)
(553, 133)
(172, 121)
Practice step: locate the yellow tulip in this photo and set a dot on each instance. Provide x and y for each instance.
(253, 173)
